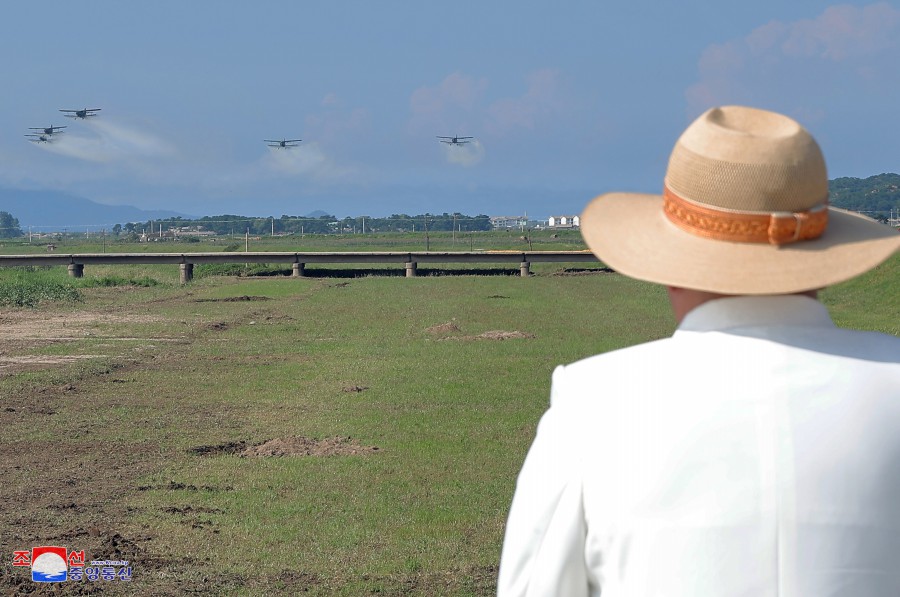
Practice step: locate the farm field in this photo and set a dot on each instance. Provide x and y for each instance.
(335, 435)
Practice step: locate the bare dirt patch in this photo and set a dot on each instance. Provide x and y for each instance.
(176, 486)
(233, 299)
(235, 447)
(304, 446)
(43, 325)
(22, 362)
(25, 331)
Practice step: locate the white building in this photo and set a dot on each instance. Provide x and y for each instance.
(563, 222)
(509, 221)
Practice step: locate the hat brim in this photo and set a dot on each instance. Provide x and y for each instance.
(630, 233)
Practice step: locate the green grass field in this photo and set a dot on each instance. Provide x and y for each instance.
(146, 430)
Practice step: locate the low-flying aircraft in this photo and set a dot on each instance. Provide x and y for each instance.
(36, 138)
(454, 140)
(47, 131)
(85, 113)
(283, 142)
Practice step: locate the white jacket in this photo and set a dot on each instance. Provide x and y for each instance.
(756, 453)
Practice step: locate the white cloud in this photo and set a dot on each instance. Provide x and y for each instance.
(458, 105)
(541, 101)
(804, 61)
(448, 106)
(335, 126)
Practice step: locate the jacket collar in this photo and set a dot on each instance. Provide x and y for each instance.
(756, 311)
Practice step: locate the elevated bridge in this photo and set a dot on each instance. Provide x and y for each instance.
(76, 262)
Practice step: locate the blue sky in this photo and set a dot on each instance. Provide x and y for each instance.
(566, 100)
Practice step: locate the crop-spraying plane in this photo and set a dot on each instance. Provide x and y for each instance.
(283, 142)
(36, 138)
(47, 131)
(85, 113)
(455, 140)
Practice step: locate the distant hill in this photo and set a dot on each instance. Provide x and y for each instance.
(50, 211)
(874, 196)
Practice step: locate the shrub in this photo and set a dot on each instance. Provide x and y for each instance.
(27, 292)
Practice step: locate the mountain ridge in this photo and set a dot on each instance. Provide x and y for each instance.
(48, 211)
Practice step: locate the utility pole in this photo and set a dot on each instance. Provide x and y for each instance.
(247, 241)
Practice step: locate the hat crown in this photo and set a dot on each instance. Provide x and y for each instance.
(747, 159)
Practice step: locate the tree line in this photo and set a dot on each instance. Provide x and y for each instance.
(326, 224)
(9, 226)
(875, 196)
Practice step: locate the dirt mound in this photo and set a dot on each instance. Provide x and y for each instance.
(443, 328)
(304, 446)
(494, 335)
(501, 335)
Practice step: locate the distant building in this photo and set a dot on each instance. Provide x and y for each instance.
(564, 222)
(509, 222)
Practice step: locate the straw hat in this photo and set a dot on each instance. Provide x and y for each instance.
(744, 210)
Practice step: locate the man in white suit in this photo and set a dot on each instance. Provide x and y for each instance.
(756, 452)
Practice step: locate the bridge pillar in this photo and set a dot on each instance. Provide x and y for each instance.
(410, 269)
(187, 272)
(298, 270)
(524, 269)
(76, 270)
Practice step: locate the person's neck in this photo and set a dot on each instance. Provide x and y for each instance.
(685, 300)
